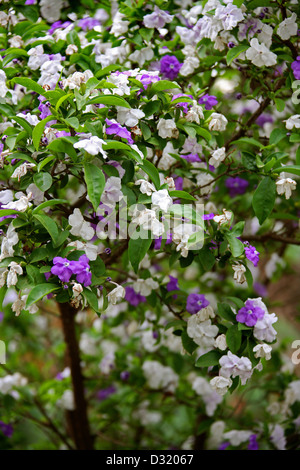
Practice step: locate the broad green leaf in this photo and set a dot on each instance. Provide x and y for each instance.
(264, 199)
(137, 249)
(49, 225)
(151, 171)
(95, 182)
(29, 84)
(277, 135)
(209, 359)
(247, 140)
(40, 291)
(189, 345)
(39, 130)
(109, 100)
(50, 203)
(23, 123)
(43, 181)
(62, 144)
(233, 338)
(235, 52)
(206, 258)
(225, 311)
(21, 156)
(182, 195)
(91, 299)
(45, 162)
(294, 169)
(163, 85)
(62, 99)
(236, 246)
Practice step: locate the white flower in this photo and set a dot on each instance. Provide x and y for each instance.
(285, 186)
(77, 289)
(145, 187)
(148, 221)
(233, 366)
(93, 145)
(8, 242)
(37, 195)
(230, 15)
(112, 190)
(181, 235)
(217, 122)
(75, 80)
(277, 436)
(162, 199)
(159, 376)
(36, 57)
(22, 169)
(6, 196)
(121, 82)
(189, 65)
(71, 49)
(129, 117)
(220, 342)
(12, 276)
(236, 437)
(51, 10)
(67, 401)
(166, 128)
(239, 273)
(145, 286)
(16, 41)
(117, 294)
(217, 157)
(3, 87)
(260, 55)
(293, 121)
(223, 218)
(210, 397)
(79, 227)
(142, 55)
(195, 113)
(202, 332)
(157, 19)
(90, 249)
(21, 204)
(263, 330)
(221, 384)
(263, 350)
(166, 160)
(119, 26)
(288, 27)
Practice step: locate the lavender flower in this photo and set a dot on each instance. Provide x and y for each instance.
(295, 66)
(191, 157)
(115, 128)
(196, 302)
(170, 66)
(106, 392)
(82, 270)
(88, 23)
(209, 101)
(253, 445)
(182, 104)
(7, 429)
(157, 241)
(132, 297)
(63, 268)
(252, 254)
(172, 285)
(236, 185)
(250, 314)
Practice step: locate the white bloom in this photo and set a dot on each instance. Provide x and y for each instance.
(6, 196)
(285, 186)
(189, 65)
(12, 276)
(20, 304)
(239, 273)
(293, 121)
(22, 170)
(217, 122)
(119, 26)
(260, 55)
(145, 286)
(21, 204)
(3, 87)
(8, 382)
(277, 436)
(233, 366)
(236, 437)
(202, 332)
(263, 350)
(36, 57)
(16, 41)
(217, 157)
(117, 294)
(157, 19)
(263, 330)
(121, 82)
(145, 187)
(77, 289)
(93, 146)
(31, 118)
(162, 199)
(37, 195)
(210, 397)
(112, 190)
(181, 235)
(195, 113)
(288, 27)
(79, 227)
(71, 49)
(67, 401)
(91, 250)
(220, 384)
(166, 128)
(148, 221)
(220, 342)
(223, 218)
(75, 80)
(230, 15)
(8, 242)
(51, 10)
(142, 55)
(166, 160)
(159, 376)
(129, 117)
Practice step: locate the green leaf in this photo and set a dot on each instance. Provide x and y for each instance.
(91, 299)
(95, 182)
(264, 199)
(280, 104)
(234, 338)
(38, 292)
(247, 140)
(189, 345)
(209, 359)
(50, 203)
(236, 246)
(206, 258)
(277, 135)
(235, 52)
(23, 123)
(62, 99)
(152, 107)
(39, 130)
(44, 162)
(294, 169)
(151, 171)
(62, 144)
(182, 195)
(49, 225)
(29, 84)
(34, 274)
(225, 311)
(163, 85)
(109, 100)
(43, 181)
(137, 249)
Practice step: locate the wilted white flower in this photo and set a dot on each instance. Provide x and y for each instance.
(142, 55)
(217, 122)
(145, 187)
(21, 204)
(239, 273)
(223, 218)
(285, 186)
(117, 294)
(22, 170)
(75, 80)
(15, 270)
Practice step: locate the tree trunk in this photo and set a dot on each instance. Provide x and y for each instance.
(77, 419)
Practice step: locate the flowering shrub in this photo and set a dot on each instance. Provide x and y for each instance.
(149, 165)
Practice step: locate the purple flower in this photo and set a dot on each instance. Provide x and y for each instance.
(157, 241)
(170, 66)
(56, 25)
(82, 270)
(172, 285)
(295, 66)
(106, 392)
(125, 374)
(208, 216)
(7, 429)
(263, 119)
(250, 314)
(182, 104)
(252, 254)
(224, 446)
(236, 185)
(132, 297)
(196, 302)
(209, 101)
(62, 134)
(260, 289)
(191, 157)
(147, 79)
(178, 182)
(116, 129)
(63, 268)
(253, 445)
(88, 23)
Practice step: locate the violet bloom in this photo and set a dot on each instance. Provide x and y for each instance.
(7, 429)
(88, 23)
(178, 182)
(63, 268)
(236, 185)
(195, 302)
(58, 24)
(106, 392)
(125, 374)
(158, 241)
(82, 270)
(172, 285)
(208, 216)
(209, 101)
(224, 446)
(182, 104)
(132, 297)
(260, 289)
(264, 119)
(170, 66)
(250, 314)
(252, 254)
(295, 66)
(115, 128)
(62, 134)
(253, 445)
(146, 79)
(191, 157)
